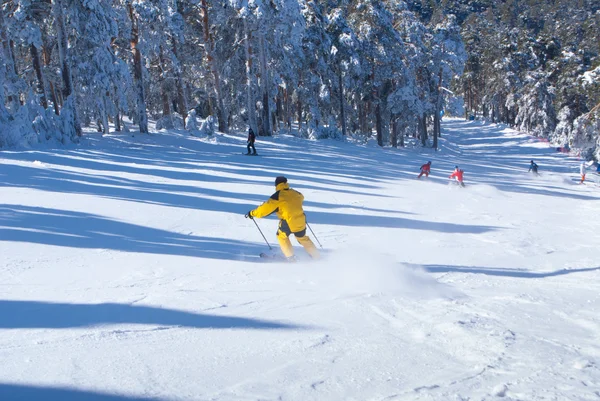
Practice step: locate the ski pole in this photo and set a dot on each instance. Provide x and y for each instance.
(313, 233)
(261, 233)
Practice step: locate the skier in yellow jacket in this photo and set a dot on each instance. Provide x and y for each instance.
(287, 203)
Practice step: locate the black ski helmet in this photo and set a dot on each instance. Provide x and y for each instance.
(280, 179)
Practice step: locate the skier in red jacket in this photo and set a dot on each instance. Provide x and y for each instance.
(458, 176)
(425, 169)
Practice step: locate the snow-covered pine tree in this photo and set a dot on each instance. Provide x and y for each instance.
(536, 110)
(404, 102)
(382, 50)
(448, 59)
(214, 11)
(344, 60)
(101, 75)
(70, 112)
(141, 116)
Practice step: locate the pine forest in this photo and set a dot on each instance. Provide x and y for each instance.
(381, 69)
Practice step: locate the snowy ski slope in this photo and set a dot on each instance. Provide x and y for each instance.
(129, 273)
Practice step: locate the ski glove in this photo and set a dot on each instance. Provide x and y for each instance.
(249, 215)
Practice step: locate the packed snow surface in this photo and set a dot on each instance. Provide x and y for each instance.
(129, 272)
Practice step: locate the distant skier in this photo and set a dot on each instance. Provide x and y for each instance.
(582, 168)
(533, 167)
(287, 203)
(425, 169)
(251, 140)
(458, 176)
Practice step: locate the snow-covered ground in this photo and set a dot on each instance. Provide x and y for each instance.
(129, 272)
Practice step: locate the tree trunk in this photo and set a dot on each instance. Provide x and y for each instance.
(299, 103)
(63, 49)
(362, 118)
(287, 119)
(368, 110)
(379, 124)
(4, 116)
(342, 108)
(117, 116)
(47, 60)
(181, 98)
(164, 95)
(423, 129)
(394, 138)
(279, 107)
(264, 80)
(11, 44)
(274, 122)
(288, 109)
(402, 135)
(37, 66)
(250, 102)
(467, 101)
(6, 53)
(56, 99)
(436, 122)
(166, 105)
(438, 107)
(209, 48)
(105, 127)
(137, 71)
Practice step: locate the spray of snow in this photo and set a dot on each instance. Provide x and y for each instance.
(367, 272)
(487, 191)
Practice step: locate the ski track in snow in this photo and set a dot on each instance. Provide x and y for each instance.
(129, 272)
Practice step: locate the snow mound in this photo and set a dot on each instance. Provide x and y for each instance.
(559, 180)
(487, 191)
(352, 272)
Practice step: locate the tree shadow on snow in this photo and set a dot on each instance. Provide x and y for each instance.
(188, 195)
(497, 271)
(67, 228)
(199, 165)
(37, 314)
(355, 220)
(19, 223)
(29, 392)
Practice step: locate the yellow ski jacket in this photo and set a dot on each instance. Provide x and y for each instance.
(287, 203)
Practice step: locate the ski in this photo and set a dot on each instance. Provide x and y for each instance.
(274, 258)
(268, 256)
(250, 154)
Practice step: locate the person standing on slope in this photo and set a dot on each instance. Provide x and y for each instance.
(582, 168)
(458, 176)
(533, 167)
(425, 169)
(251, 140)
(287, 203)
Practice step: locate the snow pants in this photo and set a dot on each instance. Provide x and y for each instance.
(283, 236)
(459, 182)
